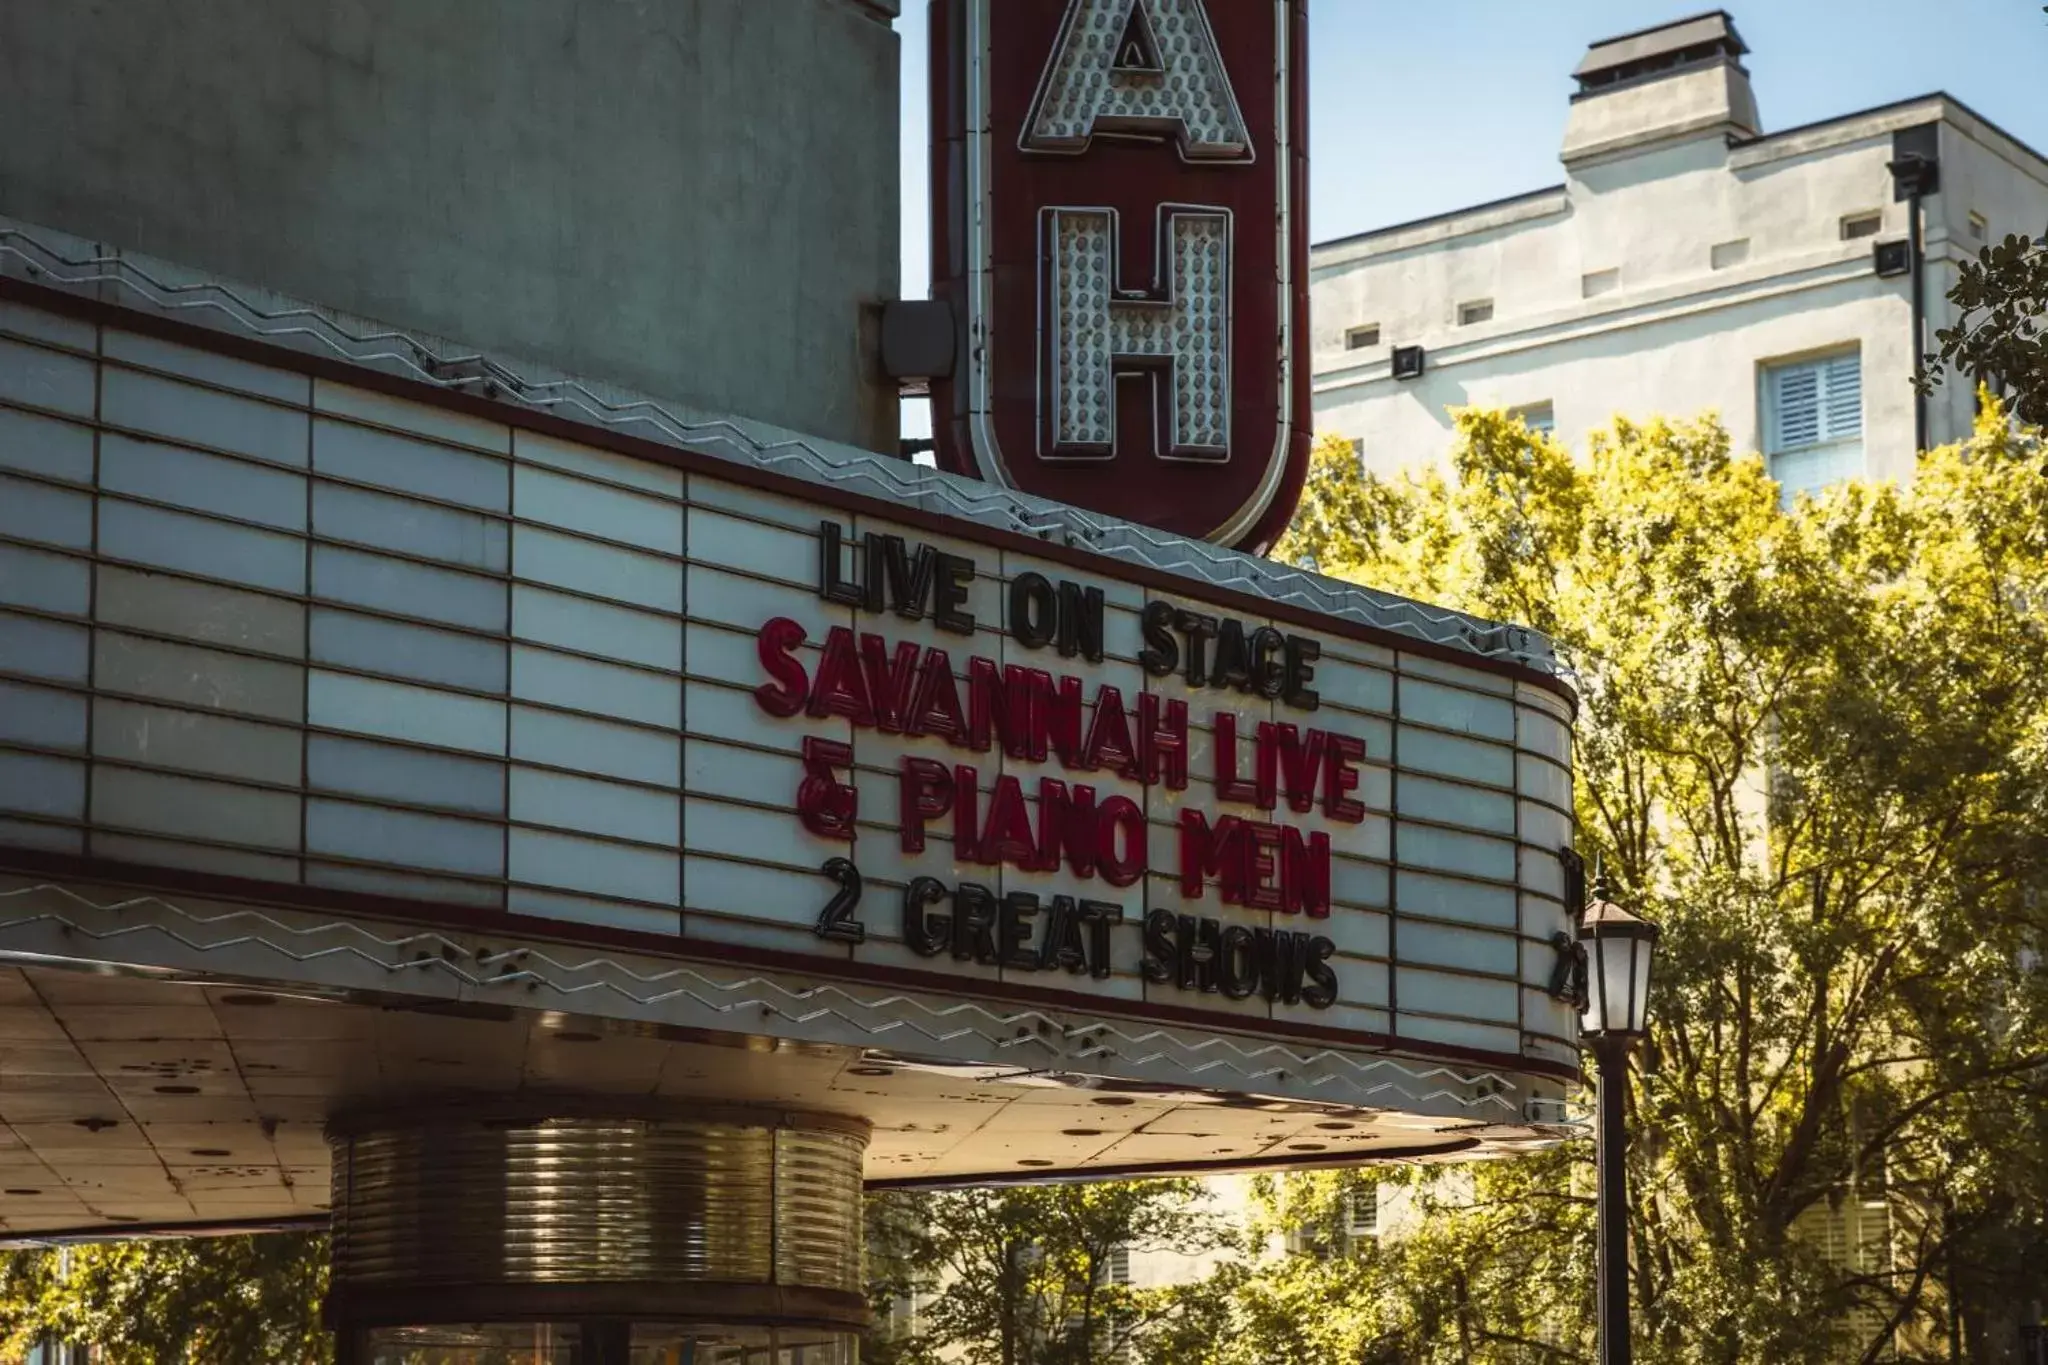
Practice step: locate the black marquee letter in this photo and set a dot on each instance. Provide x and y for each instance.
(926, 934)
(1034, 610)
(832, 585)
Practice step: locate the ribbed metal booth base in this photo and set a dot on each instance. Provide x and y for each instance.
(598, 1344)
(740, 1216)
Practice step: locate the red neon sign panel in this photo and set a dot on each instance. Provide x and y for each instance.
(1119, 192)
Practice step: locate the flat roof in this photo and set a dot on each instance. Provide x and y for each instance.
(1743, 142)
(1438, 217)
(1895, 105)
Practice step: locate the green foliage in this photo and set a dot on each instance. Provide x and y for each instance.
(1491, 1262)
(1813, 745)
(2001, 328)
(204, 1301)
(1022, 1276)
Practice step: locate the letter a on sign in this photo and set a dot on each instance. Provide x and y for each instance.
(1118, 192)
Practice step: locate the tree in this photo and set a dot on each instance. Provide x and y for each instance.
(198, 1301)
(2001, 329)
(1813, 745)
(1022, 1276)
(1494, 1258)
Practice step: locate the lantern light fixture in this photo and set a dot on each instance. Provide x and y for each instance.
(1619, 948)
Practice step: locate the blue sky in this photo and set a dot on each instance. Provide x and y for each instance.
(1422, 108)
(1418, 109)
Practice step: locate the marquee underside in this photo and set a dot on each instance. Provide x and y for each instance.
(147, 1093)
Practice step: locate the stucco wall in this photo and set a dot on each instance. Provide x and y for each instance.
(1717, 95)
(1674, 334)
(1684, 363)
(693, 198)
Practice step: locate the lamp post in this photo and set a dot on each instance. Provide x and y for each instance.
(1618, 948)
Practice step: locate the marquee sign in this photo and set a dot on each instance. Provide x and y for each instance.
(1118, 217)
(308, 640)
(384, 727)
(1088, 826)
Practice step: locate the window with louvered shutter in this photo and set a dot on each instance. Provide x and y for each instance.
(1851, 1229)
(1362, 1211)
(1813, 422)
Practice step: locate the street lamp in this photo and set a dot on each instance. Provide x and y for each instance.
(1618, 948)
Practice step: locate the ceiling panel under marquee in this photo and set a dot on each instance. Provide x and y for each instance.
(153, 1102)
(160, 1074)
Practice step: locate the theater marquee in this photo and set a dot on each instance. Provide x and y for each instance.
(360, 645)
(339, 676)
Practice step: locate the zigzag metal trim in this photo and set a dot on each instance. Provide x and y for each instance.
(39, 256)
(1362, 1077)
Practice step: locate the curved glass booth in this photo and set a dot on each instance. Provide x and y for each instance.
(478, 1237)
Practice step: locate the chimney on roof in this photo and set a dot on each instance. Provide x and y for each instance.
(1668, 84)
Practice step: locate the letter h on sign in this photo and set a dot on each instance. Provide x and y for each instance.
(1097, 333)
(1145, 68)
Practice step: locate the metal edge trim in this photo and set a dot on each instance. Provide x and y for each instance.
(425, 950)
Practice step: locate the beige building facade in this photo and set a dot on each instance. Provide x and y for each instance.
(1692, 260)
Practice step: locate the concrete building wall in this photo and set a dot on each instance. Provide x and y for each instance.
(693, 198)
(1625, 292)
(1711, 97)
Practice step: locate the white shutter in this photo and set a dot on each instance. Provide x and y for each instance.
(1823, 1226)
(1842, 405)
(1795, 407)
(1852, 1234)
(1813, 429)
(1362, 1211)
(1814, 402)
